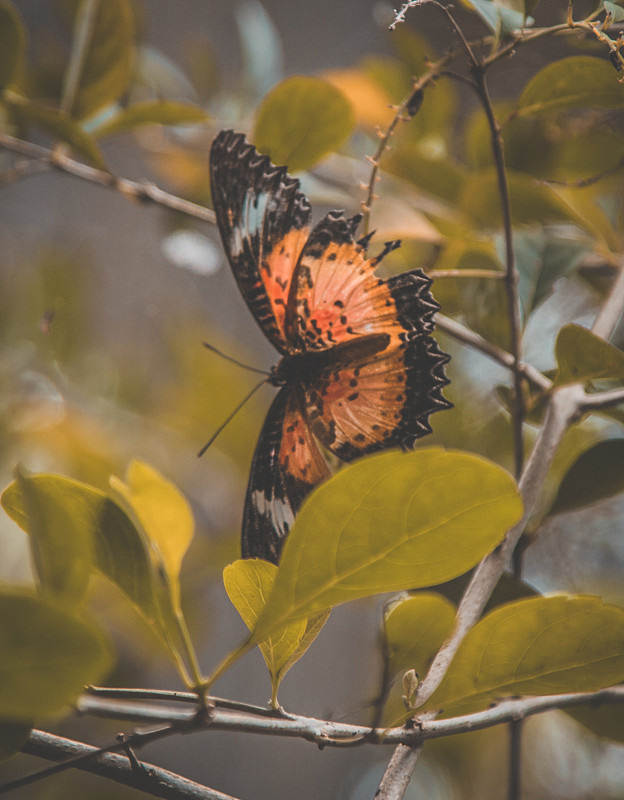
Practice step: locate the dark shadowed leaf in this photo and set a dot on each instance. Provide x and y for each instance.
(582, 356)
(597, 474)
(537, 646)
(48, 656)
(390, 522)
(415, 629)
(12, 43)
(162, 112)
(13, 735)
(301, 120)
(575, 82)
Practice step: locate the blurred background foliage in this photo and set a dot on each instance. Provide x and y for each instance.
(105, 303)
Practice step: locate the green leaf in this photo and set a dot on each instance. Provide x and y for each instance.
(440, 176)
(48, 655)
(598, 473)
(386, 523)
(12, 44)
(582, 357)
(537, 646)
(415, 629)
(162, 112)
(301, 120)
(530, 202)
(119, 550)
(61, 537)
(58, 124)
(498, 16)
(616, 12)
(575, 82)
(249, 583)
(541, 259)
(107, 67)
(165, 517)
(13, 736)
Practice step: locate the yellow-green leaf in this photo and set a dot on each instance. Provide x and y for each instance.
(162, 112)
(106, 70)
(583, 356)
(58, 125)
(416, 628)
(538, 646)
(119, 550)
(301, 120)
(575, 82)
(48, 656)
(390, 522)
(163, 512)
(12, 43)
(61, 537)
(598, 473)
(249, 583)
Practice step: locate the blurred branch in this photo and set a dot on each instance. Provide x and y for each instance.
(147, 777)
(143, 192)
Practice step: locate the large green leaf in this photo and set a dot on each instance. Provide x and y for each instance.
(106, 69)
(390, 522)
(499, 16)
(416, 628)
(598, 473)
(61, 537)
(119, 550)
(249, 583)
(575, 82)
(582, 356)
(162, 112)
(301, 120)
(12, 43)
(537, 646)
(48, 656)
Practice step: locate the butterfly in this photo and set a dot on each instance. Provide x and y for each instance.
(359, 370)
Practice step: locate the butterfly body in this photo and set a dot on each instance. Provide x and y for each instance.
(359, 370)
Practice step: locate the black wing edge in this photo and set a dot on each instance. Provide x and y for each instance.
(239, 173)
(273, 496)
(424, 360)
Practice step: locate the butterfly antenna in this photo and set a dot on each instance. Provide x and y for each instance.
(230, 417)
(234, 361)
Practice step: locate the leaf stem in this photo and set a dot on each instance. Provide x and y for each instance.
(84, 27)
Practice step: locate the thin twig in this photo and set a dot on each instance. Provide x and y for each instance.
(146, 192)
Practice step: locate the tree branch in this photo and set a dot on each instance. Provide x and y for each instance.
(145, 192)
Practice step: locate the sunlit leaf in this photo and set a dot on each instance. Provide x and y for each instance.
(390, 522)
(107, 67)
(61, 536)
(415, 629)
(575, 82)
(12, 43)
(13, 735)
(370, 100)
(119, 551)
(598, 473)
(162, 112)
(583, 356)
(163, 512)
(301, 120)
(248, 583)
(538, 646)
(48, 656)
(58, 125)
